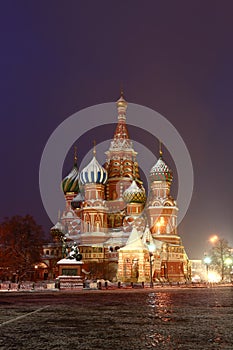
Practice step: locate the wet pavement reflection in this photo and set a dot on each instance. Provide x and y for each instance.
(141, 319)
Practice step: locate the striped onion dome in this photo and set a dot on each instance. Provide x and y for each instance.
(71, 182)
(134, 194)
(161, 172)
(93, 173)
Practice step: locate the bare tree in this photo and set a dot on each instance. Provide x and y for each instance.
(21, 241)
(220, 252)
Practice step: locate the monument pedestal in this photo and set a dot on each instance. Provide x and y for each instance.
(70, 274)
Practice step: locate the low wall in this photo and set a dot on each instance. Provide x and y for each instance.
(26, 286)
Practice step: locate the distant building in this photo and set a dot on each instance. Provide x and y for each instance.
(114, 223)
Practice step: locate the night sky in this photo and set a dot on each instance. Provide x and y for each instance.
(176, 57)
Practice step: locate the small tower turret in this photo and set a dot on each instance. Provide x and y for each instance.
(161, 208)
(94, 210)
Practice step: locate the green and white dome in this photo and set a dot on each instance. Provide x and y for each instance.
(71, 182)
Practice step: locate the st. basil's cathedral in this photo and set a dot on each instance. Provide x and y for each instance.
(122, 234)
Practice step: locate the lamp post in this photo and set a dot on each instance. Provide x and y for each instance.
(207, 261)
(151, 248)
(35, 272)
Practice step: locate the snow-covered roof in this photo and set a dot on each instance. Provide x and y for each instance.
(134, 241)
(116, 241)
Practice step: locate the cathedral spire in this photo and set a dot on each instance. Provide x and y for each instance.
(160, 149)
(121, 106)
(75, 156)
(121, 91)
(121, 129)
(94, 148)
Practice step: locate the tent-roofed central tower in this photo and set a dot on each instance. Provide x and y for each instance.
(121, 166)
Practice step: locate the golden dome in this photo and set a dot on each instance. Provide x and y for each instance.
(121, 102)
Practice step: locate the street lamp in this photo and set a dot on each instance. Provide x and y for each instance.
(207, 261)
(213, 239)
(36, 274)
(151, 248)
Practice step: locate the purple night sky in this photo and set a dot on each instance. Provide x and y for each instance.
(175, 57)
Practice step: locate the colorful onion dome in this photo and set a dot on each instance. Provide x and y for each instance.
(71, 182)
(161, 172)
(93, 173)
(134, 194)
(76, 202)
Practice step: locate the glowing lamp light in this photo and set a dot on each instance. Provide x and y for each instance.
(214, 277)
(158, 224)
(151, 248)
(228, 261)
(207, 260)
(162, 221)
(213, 239)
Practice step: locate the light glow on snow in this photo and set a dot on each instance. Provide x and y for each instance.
(214, 277)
